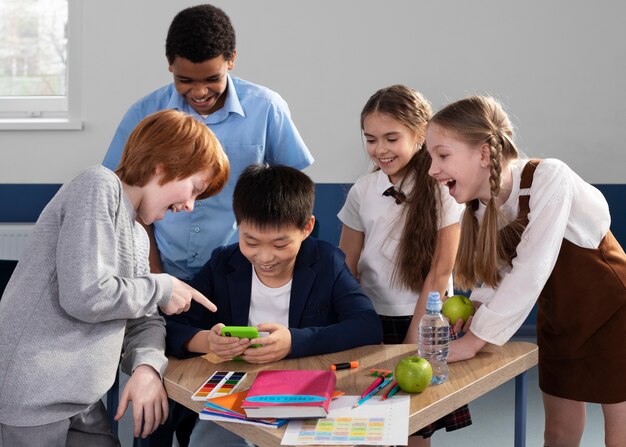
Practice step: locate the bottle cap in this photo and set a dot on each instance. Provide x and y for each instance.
(434, 302)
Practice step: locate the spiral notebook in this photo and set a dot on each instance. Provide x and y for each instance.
(376, 422)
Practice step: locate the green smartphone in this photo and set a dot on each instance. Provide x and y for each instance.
(248, 332)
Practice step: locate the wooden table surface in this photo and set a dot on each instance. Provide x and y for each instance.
(468, 380)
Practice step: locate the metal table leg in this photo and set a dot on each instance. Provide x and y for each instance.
(520, 409)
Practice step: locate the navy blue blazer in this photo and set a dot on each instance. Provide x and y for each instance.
(328, 311)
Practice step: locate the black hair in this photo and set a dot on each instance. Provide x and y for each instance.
(273, 197)
(200, 33)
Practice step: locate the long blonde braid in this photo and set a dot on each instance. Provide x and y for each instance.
(478, 120)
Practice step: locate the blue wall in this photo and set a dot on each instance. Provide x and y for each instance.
(24, 202)
(330, 197)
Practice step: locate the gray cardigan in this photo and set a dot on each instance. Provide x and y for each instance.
(74, 302)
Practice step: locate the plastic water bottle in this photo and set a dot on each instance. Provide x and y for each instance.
(434, 337)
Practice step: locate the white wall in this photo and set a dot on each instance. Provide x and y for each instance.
(559, 66)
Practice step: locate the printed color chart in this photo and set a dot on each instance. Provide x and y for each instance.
(342, 430)
(219, 384)
(375, 422)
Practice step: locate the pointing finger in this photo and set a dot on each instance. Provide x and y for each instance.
(203, 300)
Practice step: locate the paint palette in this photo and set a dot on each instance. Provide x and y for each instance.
(219, 384)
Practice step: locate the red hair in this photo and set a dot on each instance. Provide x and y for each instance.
(180, 144)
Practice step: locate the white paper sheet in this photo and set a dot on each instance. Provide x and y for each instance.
(375, 422)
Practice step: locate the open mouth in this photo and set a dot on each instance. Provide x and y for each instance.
(450, 183)
(201, 101)
(266, 267)
(385, 161)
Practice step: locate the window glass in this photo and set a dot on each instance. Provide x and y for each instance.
(33, 48)
(39, 46)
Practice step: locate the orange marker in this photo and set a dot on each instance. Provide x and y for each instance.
(347, 365)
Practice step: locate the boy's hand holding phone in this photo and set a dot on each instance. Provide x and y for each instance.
(275, 346)
(227, 347)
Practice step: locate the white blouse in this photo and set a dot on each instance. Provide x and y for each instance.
(562, 205)
(379, 217)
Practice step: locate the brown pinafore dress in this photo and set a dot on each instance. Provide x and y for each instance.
(581, 320)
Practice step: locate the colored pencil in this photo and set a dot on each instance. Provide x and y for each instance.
(393, 389)
(373, 392)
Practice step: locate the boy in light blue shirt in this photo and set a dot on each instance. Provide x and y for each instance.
(252, 123)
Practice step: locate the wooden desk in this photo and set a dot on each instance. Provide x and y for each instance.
(468, 380)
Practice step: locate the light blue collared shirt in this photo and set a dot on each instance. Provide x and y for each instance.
(254, 126)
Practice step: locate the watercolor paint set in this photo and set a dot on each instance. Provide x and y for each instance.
(220, 383)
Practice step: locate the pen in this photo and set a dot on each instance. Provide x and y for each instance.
(393, 389)
(373, 392)
(377, 381)
(346, 365)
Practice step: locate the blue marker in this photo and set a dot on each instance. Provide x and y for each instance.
(373, 392)
(393, 390)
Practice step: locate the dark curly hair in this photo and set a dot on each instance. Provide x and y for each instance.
(200, 33)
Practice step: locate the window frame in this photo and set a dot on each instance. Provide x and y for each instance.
(50, 112)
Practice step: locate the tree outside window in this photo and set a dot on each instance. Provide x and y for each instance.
(33, 49)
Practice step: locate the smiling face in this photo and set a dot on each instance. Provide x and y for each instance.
(272, 252)
(175, 196)
(203, 84)
(390, 144)
(463, 168)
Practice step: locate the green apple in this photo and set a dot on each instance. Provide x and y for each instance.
(413, 374)
(457, 306)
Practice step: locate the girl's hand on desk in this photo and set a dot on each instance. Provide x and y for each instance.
(275, 347)
(225, 347)
(465, 347)
(145, 390)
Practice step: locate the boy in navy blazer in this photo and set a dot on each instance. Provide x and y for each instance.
(277, 278)
(294, 287)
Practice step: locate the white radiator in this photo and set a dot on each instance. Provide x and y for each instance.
(13, 240)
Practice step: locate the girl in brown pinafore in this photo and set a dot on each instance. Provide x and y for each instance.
(534, 230)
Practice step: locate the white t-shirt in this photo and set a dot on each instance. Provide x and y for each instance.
(378, 216)
(269, 304)
(562, 205)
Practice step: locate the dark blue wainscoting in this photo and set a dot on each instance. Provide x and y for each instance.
(24, 202)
